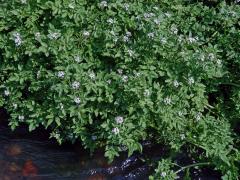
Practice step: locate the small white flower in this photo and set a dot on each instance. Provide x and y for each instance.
(119, 119)
(15, 106)
(156, 21)
(211, 56)
(86, 33)
(115, 130)
(146, 93)
(92, 75)
(77, 59)
(176, 83)
(75, 85)
(54, 35)
(146, 15)
(126, 6)
(61, 74)
(182, 136)
(174, 30)
(167, 100)
(103, 4)
(180, 113)
(112, 33)
(110, 21)
(137, 74)
(24, 1)
(163, 40)
(71, 6)
(202, 57)
(128, 34)
(168, 14)
(191, 80)
(17, 39)
(37, 35)
(77, 100)
(94, 138)
(130, 52)
(219, 62)
(21, 118)
(198, 116)
(192, 39)
(125, 78)
(109, 81)
(163, 174)
(38, 74)
(6, 92)
(180, 38)
(125, 38)
(120, 71)
(150, 35)
(152, 14)
(61, 105)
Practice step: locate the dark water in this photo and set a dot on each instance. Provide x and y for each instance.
(32, 156)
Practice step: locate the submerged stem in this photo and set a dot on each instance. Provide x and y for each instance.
(192, 165)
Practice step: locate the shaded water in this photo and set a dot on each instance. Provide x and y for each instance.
(25, 155)
(32, 156)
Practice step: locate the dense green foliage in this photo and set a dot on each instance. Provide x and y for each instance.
(114, 73)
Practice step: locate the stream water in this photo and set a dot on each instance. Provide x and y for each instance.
(33, 156)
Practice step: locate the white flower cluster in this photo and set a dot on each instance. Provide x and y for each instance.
(110, 21)
(54, 35)
(156, 21)
(148, 15)
(198, 116)
(71, 6)
(86, 33)
(126, 6)
(77, 100)
(130, 52)
(37, 35)
(167, 100)
(94, 138)
(175, 83)
(119, 119)
(24, 1)
(75, 85)
(15, 105)
(163, 40)
(120, 71)
(61, 74)
(192, 39)
(77, 59)
(125, 78)
(115, 130)
(174, 30)
(146, 93)
(6, 92)
(103, 4)
(17, 39)
(150, 35)
(21, 118)
(191, 80)
(92, 75)
(163, 174)
(127, 36)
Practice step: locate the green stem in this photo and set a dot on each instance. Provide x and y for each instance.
(192, 165)
(232, 84)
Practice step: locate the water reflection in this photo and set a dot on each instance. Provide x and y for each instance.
(32, 156)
